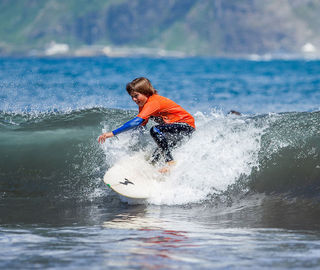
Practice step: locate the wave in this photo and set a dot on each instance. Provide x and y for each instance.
(52, 154)
(289, 158)
(56, 155)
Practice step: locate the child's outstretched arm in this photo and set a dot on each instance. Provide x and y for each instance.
(126, 126)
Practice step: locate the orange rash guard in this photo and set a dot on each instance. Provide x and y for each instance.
(169, 111)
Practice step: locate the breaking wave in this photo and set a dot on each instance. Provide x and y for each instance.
(56, 155)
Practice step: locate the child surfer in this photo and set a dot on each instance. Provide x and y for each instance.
(174, 122)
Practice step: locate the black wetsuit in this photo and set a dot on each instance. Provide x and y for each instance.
(168, 136)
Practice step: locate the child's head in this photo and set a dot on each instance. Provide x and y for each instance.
(141, 85)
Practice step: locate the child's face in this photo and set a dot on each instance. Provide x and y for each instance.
(139, 99)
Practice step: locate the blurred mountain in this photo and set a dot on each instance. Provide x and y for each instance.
(204, 27)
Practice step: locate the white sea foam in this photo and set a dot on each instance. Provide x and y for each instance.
(219, 152)
(223, 148)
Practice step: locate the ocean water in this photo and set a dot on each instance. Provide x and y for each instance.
(244, 193)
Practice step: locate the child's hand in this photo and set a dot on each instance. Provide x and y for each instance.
(105, 136)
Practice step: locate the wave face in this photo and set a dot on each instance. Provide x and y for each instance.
(56, 155)
(51, 154)
(289, 159)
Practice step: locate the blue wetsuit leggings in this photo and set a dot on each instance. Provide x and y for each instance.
(168, 136)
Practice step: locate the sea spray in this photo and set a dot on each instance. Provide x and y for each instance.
(221, 150)
(229, 154)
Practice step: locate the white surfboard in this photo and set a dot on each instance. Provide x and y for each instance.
(133, 177)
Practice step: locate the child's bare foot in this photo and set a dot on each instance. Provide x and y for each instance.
(166, 168)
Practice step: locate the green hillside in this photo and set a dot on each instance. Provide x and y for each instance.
(206, 27)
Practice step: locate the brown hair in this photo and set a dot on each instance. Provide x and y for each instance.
(141, 85)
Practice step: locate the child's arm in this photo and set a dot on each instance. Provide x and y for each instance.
(126, 126)
(137, 121)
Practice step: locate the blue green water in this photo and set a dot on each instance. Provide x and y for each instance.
(244, 193)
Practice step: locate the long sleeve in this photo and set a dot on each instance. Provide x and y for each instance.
(137, 121)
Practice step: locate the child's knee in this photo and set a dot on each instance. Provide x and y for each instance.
(154, 132)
